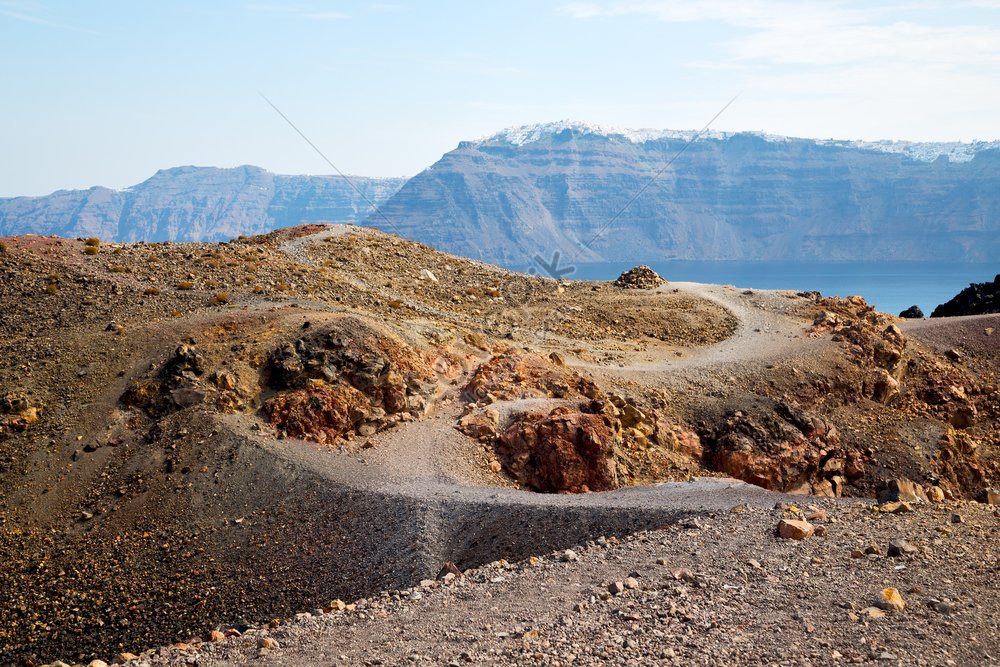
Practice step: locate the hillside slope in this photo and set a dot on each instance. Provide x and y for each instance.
(195, 204)
(561, 187)
(206, 435)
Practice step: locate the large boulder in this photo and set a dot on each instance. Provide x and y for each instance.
(567, 449)
(912, 313)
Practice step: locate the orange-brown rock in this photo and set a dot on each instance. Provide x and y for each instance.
(793, 529)
(517, 375)
(320, 412)
(564, 450)
(780, 449)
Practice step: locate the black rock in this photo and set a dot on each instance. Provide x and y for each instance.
(976, 299)
(912, 313)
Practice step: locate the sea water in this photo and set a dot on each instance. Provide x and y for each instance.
(889, 286)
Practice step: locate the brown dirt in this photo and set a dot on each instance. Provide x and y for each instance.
(209, 434)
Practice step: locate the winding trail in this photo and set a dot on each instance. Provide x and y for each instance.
(457, 513)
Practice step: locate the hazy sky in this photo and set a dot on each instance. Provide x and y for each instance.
(106, 93)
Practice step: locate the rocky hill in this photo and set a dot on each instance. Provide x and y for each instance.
(195, 204)
(198, 438)
(976, 299)
(538, 189)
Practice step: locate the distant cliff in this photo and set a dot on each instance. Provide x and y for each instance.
(195, 204)
(537, 189)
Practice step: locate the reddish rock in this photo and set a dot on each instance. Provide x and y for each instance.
(780, 449)
(517, 375)
(320, 412)
(793, 529)
(564, 450)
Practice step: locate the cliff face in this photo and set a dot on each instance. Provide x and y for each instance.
(742, 196)
(195, 204)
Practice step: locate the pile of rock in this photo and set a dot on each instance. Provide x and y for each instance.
(976, 299)
(639, 277)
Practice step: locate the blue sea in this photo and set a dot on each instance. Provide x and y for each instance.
(890, 286)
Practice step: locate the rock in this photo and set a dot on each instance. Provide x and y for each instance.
(97, 663)
(935, 494)
(816, 516)
(885, 387)
(268, 643)
(631, 583)
(569, 556)
(890, 600)
(912, 313)
(780, 448)
(482, 425)
(639, 277)
(428, 275)
(976, 299)
(957, 518)
(126, 657)
(616, 588)
(449, 568)
(897, 507)
(873, 612)
(953, 354)
(900, 548)
(793, 529)
(991, 496)
(565, 450)
(901, 489)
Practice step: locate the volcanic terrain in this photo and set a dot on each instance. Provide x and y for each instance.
(205, 437)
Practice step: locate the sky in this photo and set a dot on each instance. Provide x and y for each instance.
(107, 92)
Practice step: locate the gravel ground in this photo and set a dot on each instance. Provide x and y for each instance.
(722, 590)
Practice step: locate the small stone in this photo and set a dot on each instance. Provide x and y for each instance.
(957, 518)
(569, 556)
(126, 657)
(97, 663)
(935, 494)
(992, 496)
(793, 529)
(817, 516)
(416, 595)
(495, 466)
(268, 643)
(873, 612)
(896, 507)
(899, 548)
(215, 636)
(616, 588)
(449, 568)
(631, 583)
(335, 605)
(891, 600)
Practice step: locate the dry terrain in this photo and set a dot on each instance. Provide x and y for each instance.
(206, 437)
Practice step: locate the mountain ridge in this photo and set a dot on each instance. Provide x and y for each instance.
(187, 203)
(591, 197)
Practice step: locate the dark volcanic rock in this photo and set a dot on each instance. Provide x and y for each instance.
(912, 313)
(976, 299)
